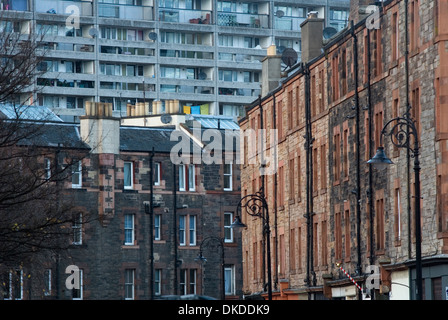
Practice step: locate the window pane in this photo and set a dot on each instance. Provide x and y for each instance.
(182, 177)
(157, 227)
(191, 178)
(182, 230)
(76, 174)
(77, 229)
(129, 284)
(129, 229)
(228, 231)
(156, 174)
(228, 280)
(128, 174)
(192, 230)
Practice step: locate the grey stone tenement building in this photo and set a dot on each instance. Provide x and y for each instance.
(193, 207)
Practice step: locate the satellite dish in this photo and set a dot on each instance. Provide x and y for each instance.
(279, 13)
(329, 32)
(202, 75)
(93, 32)
(152, 36)
(289, 57)
(165, 118)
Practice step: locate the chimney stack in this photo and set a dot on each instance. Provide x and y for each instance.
(358, 9)
(99, 129)
(312, 36)
(271, 71)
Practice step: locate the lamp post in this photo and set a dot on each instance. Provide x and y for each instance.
(256, 206)
(200, 258)
(403, 128)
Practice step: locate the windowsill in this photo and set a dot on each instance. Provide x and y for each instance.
(185, 247)
(130, 246)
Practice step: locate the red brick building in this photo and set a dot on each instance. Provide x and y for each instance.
(329, 210)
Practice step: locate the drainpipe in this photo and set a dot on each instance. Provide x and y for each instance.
(371, 151)
(358, 144)
(275, 205)
(408, 111)
(309, 186)
(358, 147)
(151, 223)
(175, 287)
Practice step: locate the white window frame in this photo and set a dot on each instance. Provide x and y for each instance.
(130, 228)
(231, 269)
(131, 174)
(129, 282)
(157, 226)
(157, 176)
(183, 281)
(77, 171)
(191, 177)
(47, 168)
(12, 294)
(192, 280)
(228, 176)
(182, 230)
(228, 227)
(77, 229)
(81, 286)
(158, 282)
(47, 279)
(192, 230)
(182, 186)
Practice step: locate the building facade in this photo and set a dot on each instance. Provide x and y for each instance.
(117, 241)
(201, 53)
(331, 211)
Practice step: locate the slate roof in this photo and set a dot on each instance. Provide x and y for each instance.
(49, 134)
(132, 139)
(143, 139)
(26, 112)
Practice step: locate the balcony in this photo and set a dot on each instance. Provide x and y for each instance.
(128, 12)
(288, 23)
(185, 16)
(17, 5)
(64, 7)
(235, 19)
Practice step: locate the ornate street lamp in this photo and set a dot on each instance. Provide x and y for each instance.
(256, 206)
(403, 128)
(200, 258)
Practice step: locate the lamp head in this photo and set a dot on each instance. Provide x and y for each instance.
(237, 223)
(380, 160)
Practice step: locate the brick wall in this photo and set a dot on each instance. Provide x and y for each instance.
(333, 203)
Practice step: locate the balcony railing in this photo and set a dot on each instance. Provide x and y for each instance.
(288, 23)
(185, 16)
(129, 12)
(17, 5)
(235, 19)
(84, 8)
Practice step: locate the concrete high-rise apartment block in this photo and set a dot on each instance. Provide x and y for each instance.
(204, 53)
